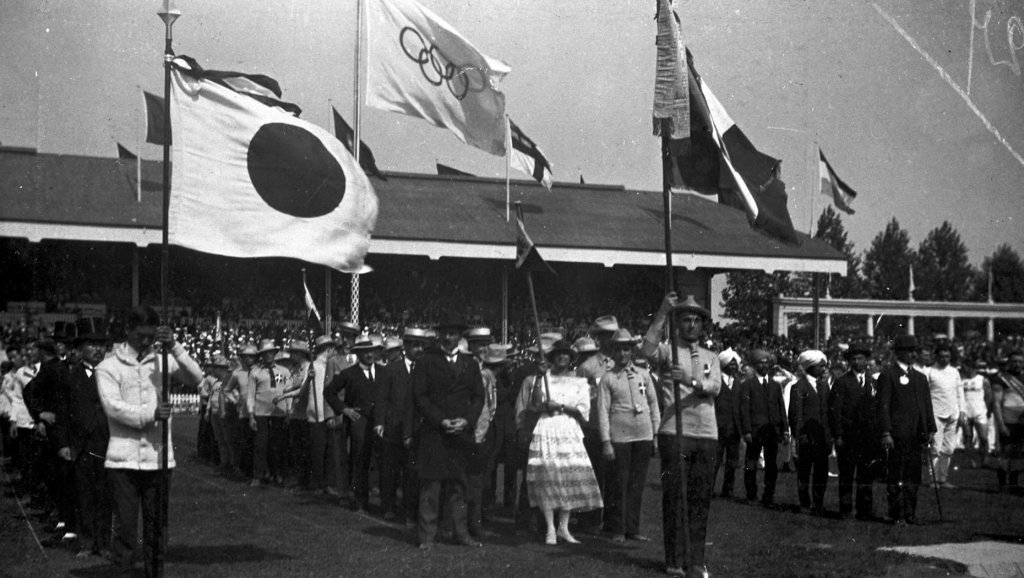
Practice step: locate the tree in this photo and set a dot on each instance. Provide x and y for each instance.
(1007, 276)
(941, 270)
(887, 263)
(748, 296)
(831, 230)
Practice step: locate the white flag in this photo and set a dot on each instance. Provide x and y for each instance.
(251, 180)
(420, 66)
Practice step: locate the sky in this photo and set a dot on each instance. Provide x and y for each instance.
(917, 105)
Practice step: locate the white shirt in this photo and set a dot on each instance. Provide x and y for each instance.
(947, 394)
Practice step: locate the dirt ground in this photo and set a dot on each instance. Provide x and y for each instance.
(221, 527)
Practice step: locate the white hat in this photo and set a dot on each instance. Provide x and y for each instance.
(810, 358)
(728, 356)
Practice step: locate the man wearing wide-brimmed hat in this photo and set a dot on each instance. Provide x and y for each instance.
(593, 369)
(267, 381)
(218, 371)
(236, 394)
(479, 488)
(627, 416)
(852, 416)
(906, 422)
(358, 386)
(809, 424)
(394, 425)
(448, 396)
(343, 358)
(699, 379)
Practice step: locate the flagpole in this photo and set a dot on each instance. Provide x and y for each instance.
(356, 141)
(536, 316)
(138, 147)
(666, 172)
(169, 16)
(328, 280)
(508, 170)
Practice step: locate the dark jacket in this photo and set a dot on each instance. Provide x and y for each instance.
(905, 409)
(808, 410)
(441, 391)
(851, 409)
(760, 406)
(352, 389)
(50, 391)
(88, 431)
(727, 410)
(394, 407)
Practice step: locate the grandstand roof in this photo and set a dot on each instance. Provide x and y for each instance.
(68, 197)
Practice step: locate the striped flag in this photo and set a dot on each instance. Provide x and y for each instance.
(832, 186)
(527, 157)
(527, 256)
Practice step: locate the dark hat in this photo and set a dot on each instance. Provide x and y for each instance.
(299, 345)
(83, 338)
(690, 305)
(905, 342)
(451, 322)
(47, 344)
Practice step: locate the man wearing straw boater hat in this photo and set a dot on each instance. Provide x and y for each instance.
(687, 470)
(267, 381)
(448, 396)
(352, 395)
(394, 425)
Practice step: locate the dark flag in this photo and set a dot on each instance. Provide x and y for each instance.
(527, 256)
(345, 134)
(582, 182)
(526, 157)
(832, 186)
(156, 124)
(447, 171)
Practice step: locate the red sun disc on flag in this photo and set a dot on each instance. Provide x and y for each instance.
(293, 171)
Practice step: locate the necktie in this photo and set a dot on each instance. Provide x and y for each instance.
(273, 378)
(860, 380)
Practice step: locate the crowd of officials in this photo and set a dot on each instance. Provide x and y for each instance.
(447, 425)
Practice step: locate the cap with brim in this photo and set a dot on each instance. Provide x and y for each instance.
(392, 343)
(622, 337)
(267, 345)
(364, 343)
(478, 334)
(904, 343)
(605, 323)
(322, 342)
(349, 327)
(496, 354)
(690, 305)
(584, 345)
(415, 334)
(249, 349)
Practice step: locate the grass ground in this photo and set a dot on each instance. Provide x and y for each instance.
(220, 527)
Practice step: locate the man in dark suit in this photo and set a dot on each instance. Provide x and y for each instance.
(808, 420)
(727, 415)
(352, 395)
(83, 439)
(448, 395)
(906, 422)
(393, 419)
(852, 417)
(763, 425)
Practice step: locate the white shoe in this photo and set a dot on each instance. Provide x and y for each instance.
(550, 540)
(567, 537)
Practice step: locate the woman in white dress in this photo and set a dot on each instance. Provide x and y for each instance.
(558, 474)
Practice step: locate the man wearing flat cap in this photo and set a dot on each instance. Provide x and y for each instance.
(763, 425)
(852, 415)
(448, 395)
(699, 379)
(352, 394)
(906, 422)
(808, 420)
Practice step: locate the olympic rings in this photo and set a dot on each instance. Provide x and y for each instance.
(437, 69)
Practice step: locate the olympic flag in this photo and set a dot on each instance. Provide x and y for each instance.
(252, 180)
(420, 66)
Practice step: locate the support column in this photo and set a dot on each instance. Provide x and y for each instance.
(871, 325)
(135, 276)
(910, 325)
(990, 330)
(951, 328)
